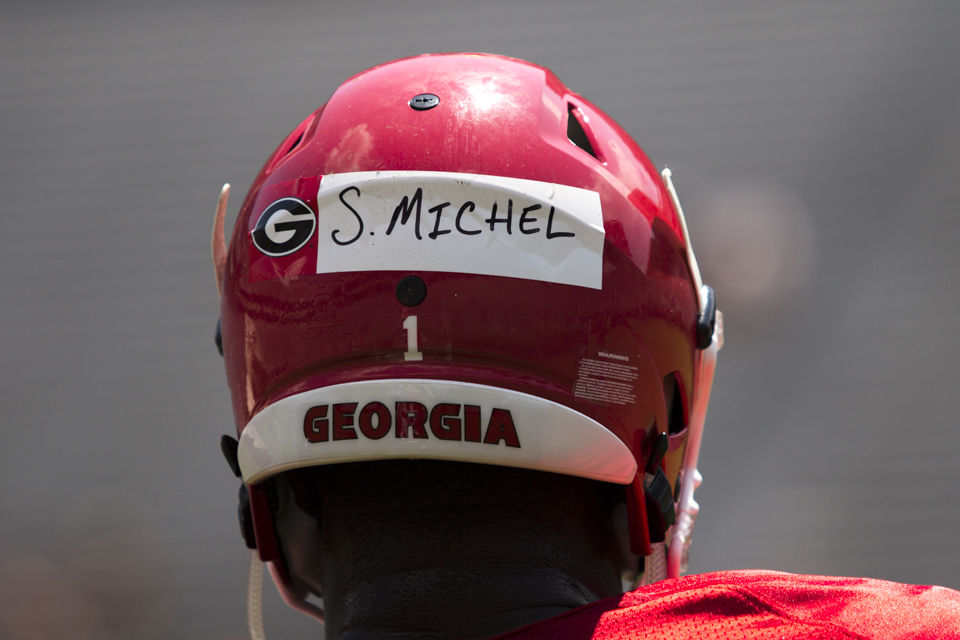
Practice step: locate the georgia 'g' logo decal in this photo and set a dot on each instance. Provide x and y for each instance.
(283, 227)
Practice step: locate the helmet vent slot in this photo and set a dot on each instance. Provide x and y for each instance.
(295, 143)
(292, 143)
(576, 132)
(674, 399)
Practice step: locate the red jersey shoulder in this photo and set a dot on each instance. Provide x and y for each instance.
(761, 605)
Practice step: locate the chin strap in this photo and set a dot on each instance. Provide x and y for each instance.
(255, 598)
(710, 341)
(690, 478)
(654, 565)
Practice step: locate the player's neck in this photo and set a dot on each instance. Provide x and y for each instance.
(447, 550)
(453, 602)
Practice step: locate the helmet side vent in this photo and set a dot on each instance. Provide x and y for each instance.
(576, 132)
(293, 141)
(674, 399)
(291, 144)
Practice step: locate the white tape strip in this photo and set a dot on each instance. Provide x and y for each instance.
(462, 223)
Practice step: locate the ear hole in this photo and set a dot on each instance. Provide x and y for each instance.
(672, 395)
(575, 131)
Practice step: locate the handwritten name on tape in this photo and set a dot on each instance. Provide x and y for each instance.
(463, 223)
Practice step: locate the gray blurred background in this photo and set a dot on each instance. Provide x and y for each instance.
(814, 145)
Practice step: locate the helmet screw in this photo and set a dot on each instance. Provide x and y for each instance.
(424, 101)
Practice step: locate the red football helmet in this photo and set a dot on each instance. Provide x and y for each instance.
(458, 258)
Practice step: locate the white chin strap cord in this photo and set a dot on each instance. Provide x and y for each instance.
(654, 565)
(706, 363)
(255, 598)
(690, 478)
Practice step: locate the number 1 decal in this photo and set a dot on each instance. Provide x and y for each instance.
(413, 351)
